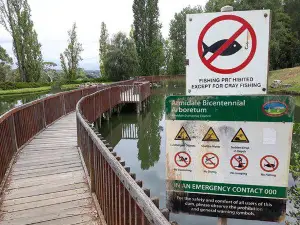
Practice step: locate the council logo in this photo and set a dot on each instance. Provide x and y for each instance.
(275, 108)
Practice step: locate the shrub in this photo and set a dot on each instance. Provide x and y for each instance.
(21, 85)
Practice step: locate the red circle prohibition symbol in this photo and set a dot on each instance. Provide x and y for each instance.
(245, 26)
(269, 163)
(240, 160)
(208, 161)
(182, 159)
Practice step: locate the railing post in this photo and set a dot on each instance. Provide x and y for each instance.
(13, 133)
(91, 162)
(64, 104)
(44, 115)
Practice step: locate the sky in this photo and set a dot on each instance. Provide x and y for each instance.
(53, 18)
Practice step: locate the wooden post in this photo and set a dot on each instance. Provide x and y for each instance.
(222, 221)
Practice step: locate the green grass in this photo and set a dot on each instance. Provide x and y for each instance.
(24, 91)
(15, 92)
(287, 76)
(67, 87)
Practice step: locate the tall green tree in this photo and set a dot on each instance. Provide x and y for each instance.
(147, 36)
(49, 72)
(5, 64)
(292, 8)
(216, 5)
(177, 35)
(284, 42)
(15, 16)
(103, 43)
(121, 61)
(168, 58)
(71, 57)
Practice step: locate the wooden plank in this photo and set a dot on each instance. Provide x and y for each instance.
(48, 217)
(22, 168)
(43, 189)
(43, 197)
(72, 220)
(47, 202)
(49, 209)
(47, 179)
(40, 155)
(47, 161)
(46, 173)
(49, 155)
(47, 169)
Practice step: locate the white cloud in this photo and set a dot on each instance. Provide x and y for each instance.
(53, 18)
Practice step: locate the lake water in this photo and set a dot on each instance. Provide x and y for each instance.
(140, 141)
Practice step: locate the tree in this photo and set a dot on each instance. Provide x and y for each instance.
(5, 64)
(292, 7)
(168, 58)
(147, 36)
(121, 61)
(216, 5)
(177, 35)
(50, 73)
(284, 42)
(71, 56)
(15, 17)
(103, 42)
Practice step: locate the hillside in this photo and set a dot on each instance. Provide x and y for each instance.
(287, 76)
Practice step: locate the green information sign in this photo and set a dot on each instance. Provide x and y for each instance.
(229, 156)
(269, 108)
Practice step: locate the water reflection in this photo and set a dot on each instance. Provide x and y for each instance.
(140, 141)
(9, 102)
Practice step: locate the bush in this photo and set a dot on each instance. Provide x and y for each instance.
(21, 85)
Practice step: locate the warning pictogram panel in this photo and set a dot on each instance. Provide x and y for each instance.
(240, 137)
(227, 47)
(182, 135)
(269, 163)
(182, 159)
(239, 162)
(211, 136)
(210, 161)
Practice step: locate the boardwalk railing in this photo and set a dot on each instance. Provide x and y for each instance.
(121, 198)
(19, 126)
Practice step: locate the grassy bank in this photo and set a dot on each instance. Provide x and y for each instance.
(22, 91)
(287, 76)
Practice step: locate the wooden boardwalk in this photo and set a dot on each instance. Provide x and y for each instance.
(47, 184)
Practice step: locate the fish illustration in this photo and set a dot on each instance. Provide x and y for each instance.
(233, 48)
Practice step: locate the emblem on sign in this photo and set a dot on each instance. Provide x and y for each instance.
(240, 137)
(182, 159)
(227, 47)
(239, 162)
(182, 135)
(211, 136)
(269, 163)
(210, 161)
(275, 108)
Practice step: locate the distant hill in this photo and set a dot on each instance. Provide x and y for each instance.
(287, 76)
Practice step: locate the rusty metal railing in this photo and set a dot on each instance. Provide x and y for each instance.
(121, 197)
(19, 125)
